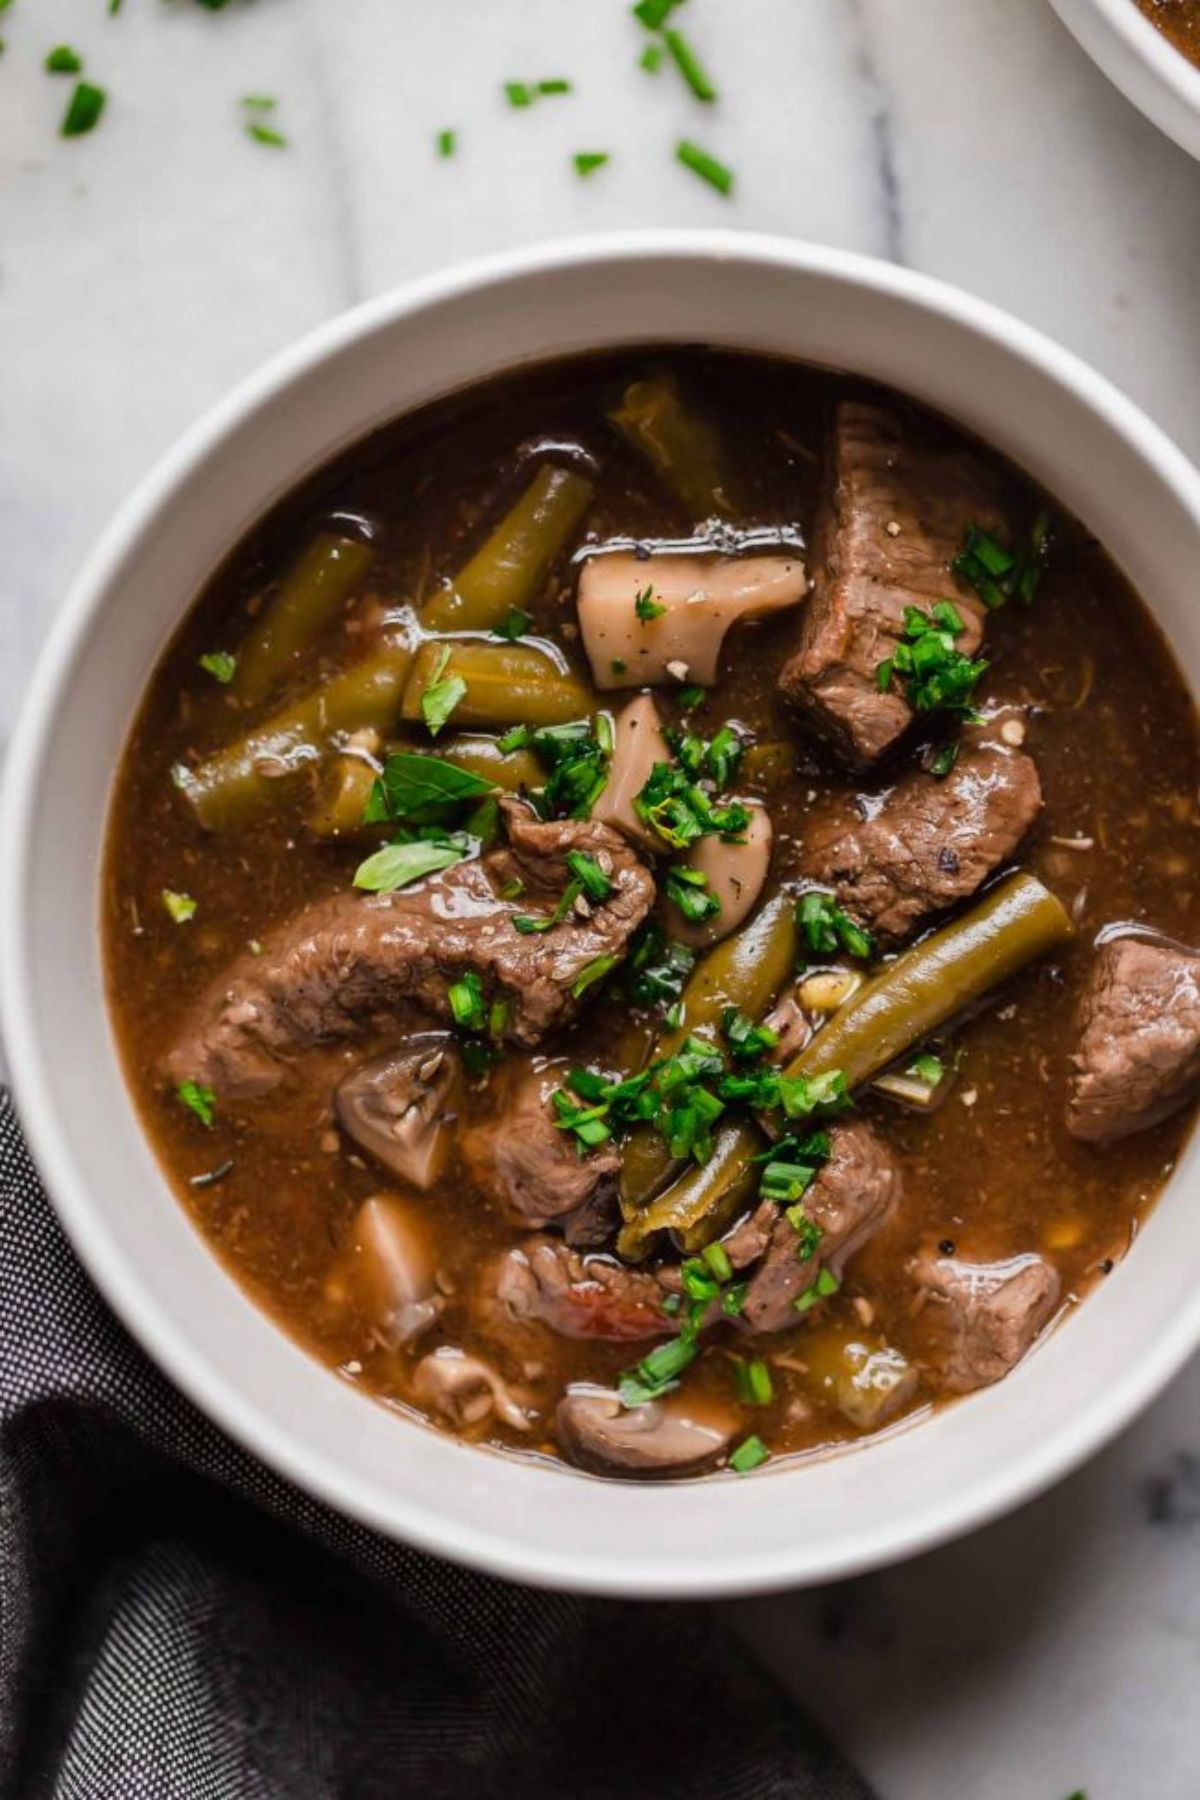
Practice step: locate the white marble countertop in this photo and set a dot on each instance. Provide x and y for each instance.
(147, 267)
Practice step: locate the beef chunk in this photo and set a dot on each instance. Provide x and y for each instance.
(892, 518)
(519, 1158)
(369, 963)
(924, 844)
(977, 1319)
(848, 1202)
(1139, 1046)
(544, 1282)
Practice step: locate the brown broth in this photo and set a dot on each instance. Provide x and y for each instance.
(1113, 732)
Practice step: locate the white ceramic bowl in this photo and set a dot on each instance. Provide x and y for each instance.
(548, 1524)
(1138, 59)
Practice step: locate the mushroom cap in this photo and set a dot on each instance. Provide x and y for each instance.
(653, 1441)
(737, 874)
(396, 1106)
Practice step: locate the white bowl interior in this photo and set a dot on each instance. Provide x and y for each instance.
(548, 1524)
(1139, 60)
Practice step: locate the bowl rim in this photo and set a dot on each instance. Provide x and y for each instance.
(126, 1286)
(1120, 40)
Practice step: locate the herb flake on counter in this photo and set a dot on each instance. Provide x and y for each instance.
(181, 907)
(654, 14)
(588, 161)
(220, 664)
(651, 58)
(689, 65)
(62, 60)
(198, 1099)
(707, 167)
(446, 143)
(84, 110)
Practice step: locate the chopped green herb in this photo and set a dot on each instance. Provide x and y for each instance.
(651, 58)
(83, 110)
(466, 1002)
(398, 865)
(752, 1381)
(655, 13)
(265, 134)
(442, 694)
(479, 1056)
(498, 1016)
(595, 971)
(678, 810)
(659, 1372)
(260, 102)
(749, 1455)
(717, 1258)
(657, 967)
(747, 1041)
(691, 697)
(446, 143)
(619, 665)
(647, 607)
(689, 890)
(557, 86)
(586, 870)
(826, 1284)
(927, 1068)
(198, 1099)
(999, 575)
(705, 166)
(180, 906)
(220, 664)
(734, 1298)
(416, 789)
(825, 928)
(518, 93)
(62, 60)
(938, 676)
(689, 65)
(588, 161)
(577, 755)
(513, 625)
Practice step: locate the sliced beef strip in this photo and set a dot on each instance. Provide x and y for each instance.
(848, 1202)
(976, 1320)
(1138, 1056)
(544, 1282)
(371, 963)
(518, 1157)
(892, 518)
(893, 860)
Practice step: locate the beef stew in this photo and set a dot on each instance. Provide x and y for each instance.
(631, 903)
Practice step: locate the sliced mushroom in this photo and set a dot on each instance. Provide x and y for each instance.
(701, 597)
(465, 1391)
(384, 1273)
(398, 1107)
(736, 874)
(638, 743)
(654, 1441)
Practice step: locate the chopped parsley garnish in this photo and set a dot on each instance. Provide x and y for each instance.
(679, 809)
(717, 1258)
(651, 58)
(220, 664)
(513, 625)
(478, 1055)
(657, 967)
(265, 134)
(938, 677)
(734, 1298)
(659, 1372)
(747, 1041)
(577, 756)
(446, 142)
(588, 161)
(180, 906)
(416, 789)
(655, 13)
(999, 575)
(442, 694)
(466, 1002)
(62, 60)
(83, 110)
(688, 889)
(691, 697)
(198, 1099)
(705, 166)
(750, 1454)
(927, 1068)
(647, 607)
(791, 1166)
(595, 971)
(524, 93)
(689, 65)
(752, 1382)
(411, 859)
(826, 1284)
(587, 871)
(619, 665)
(825, 928)
(557, 86)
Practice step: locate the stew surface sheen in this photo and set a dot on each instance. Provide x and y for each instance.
(1079, 680)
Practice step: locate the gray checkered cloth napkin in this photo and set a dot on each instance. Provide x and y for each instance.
(175, 1621)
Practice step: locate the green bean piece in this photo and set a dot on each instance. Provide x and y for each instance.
(507, 684)
(745, 970)
(238, 782)
(510, 567)
(1016, 922)
(316, 585)
(705, 1198)
(345, 790)
(682, 448)
(483, 756)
